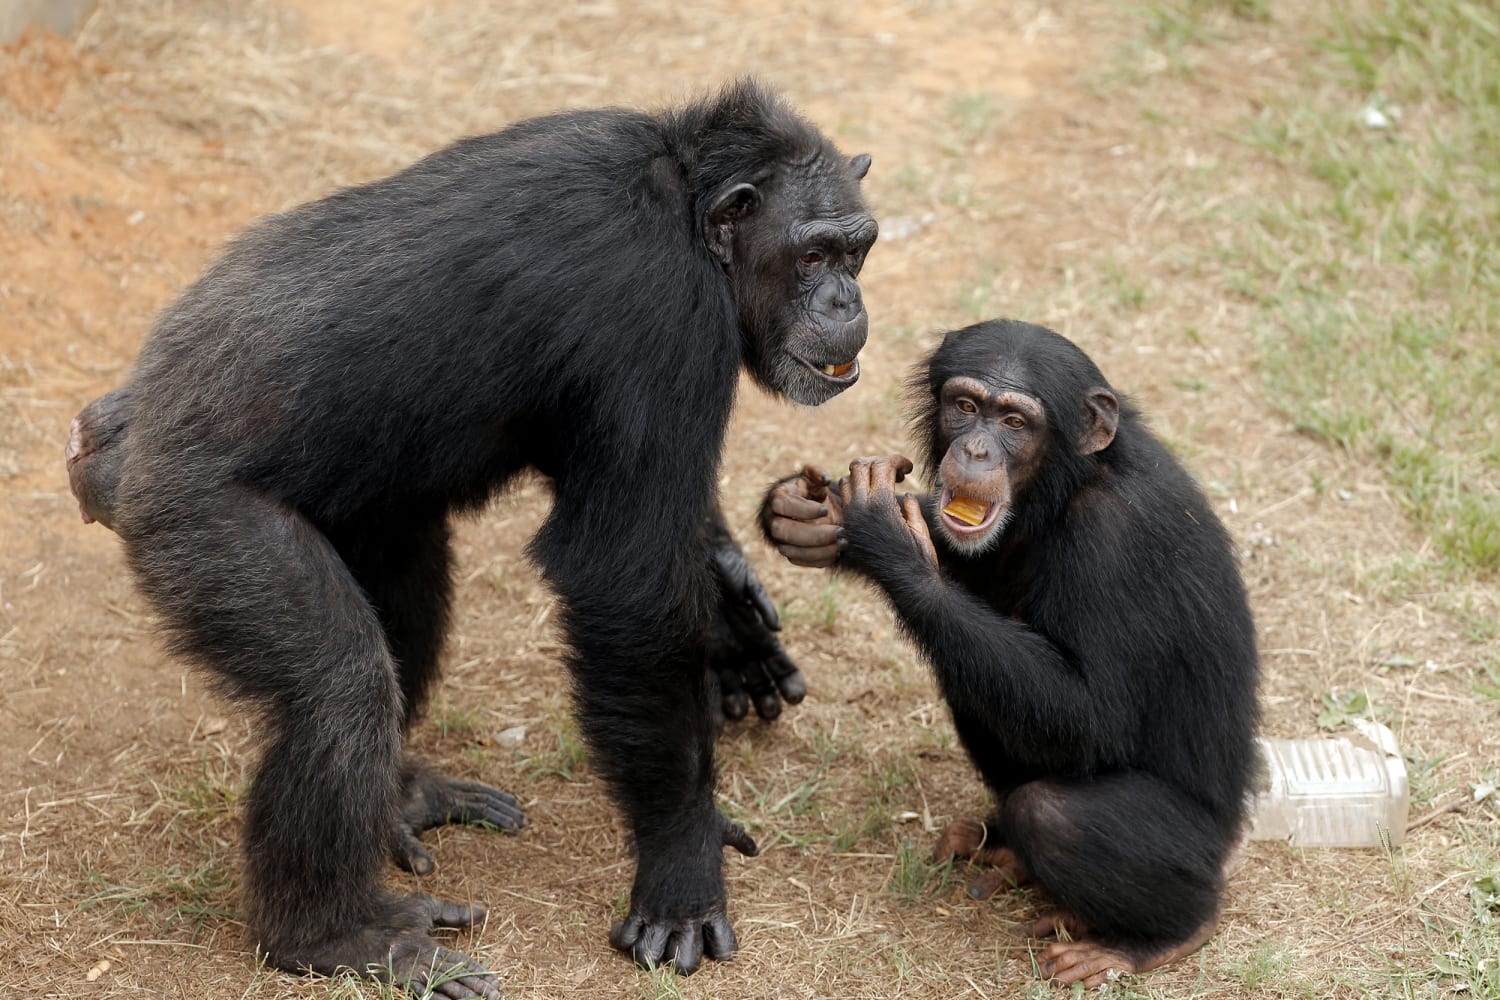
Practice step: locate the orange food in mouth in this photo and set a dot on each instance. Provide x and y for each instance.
(968, 510)
(838, 371)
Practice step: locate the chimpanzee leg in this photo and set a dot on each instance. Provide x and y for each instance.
(1135, 866)
(253, 591)
(404, 570)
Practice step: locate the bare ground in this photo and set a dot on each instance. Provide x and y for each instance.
(1013, 177)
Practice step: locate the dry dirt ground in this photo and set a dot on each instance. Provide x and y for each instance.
(1013, 176)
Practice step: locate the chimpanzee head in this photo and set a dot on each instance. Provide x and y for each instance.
(791, 243)
(1013, 417)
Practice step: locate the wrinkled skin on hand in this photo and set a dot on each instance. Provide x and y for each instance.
(743, 654)
(873, 513)
(803, 518)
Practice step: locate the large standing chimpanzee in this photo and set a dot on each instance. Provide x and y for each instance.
(575, 294)
(1083, 614)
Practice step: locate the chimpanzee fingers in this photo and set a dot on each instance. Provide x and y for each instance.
(806, 534)
(768, 705)
(789, 680)
(627, 932)
(755, 593)
(718, 937)
(859, 480)
(815, 482)
(736, 837)
(733, 701)
(886, 471)
(410, 854)
(650, 949)
(911, 513)
(786, 504)
(762, 689)
(685, 950)
(819, 558)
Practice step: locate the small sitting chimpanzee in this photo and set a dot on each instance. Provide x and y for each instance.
(574, 295)
(1080, 605)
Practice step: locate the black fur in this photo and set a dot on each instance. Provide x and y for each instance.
(306, 418)
(1099, 660)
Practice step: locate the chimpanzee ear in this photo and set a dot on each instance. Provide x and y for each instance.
(727, 210)
(1103, 420)
(860, 165)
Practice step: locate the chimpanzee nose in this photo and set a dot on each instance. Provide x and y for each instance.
(977, 448)
(844, 303)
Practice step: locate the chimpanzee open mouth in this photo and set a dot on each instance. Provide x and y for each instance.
(966, 517)
(843, 374)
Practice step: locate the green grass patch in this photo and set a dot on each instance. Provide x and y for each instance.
(1378, 270)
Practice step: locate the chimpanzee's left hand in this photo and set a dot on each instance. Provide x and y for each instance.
(876, 521)
(742, 651)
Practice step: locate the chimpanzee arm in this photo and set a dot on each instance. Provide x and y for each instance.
(1045, 705)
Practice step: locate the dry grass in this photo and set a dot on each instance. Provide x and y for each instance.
(1068, 165)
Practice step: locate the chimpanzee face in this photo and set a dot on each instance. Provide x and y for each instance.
(1007, 413)
(993, 441)
(792, 249)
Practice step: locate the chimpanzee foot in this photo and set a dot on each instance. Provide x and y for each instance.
(1005, 871)
(429, 800)
(1091, 961)
(399, 951)
(959, 840)
(964, 839)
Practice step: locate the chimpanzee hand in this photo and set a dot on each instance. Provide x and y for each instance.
(741, 648)
(875, 519)
(656, 931)
(803, 519)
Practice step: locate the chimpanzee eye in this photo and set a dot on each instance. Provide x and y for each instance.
(967, 407)
(812, 258)
(1014, 421)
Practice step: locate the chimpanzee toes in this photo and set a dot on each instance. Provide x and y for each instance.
(426, 968)
(989, 882)
(411, 855)
(448, 913)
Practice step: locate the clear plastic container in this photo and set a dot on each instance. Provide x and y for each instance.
(1343, 792)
